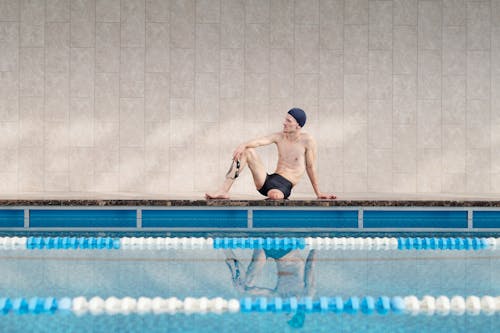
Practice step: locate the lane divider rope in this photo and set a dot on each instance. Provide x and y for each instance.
(404, 243)
(268, 243)
(410, 305)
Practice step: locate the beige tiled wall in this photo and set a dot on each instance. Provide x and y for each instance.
(152, 96)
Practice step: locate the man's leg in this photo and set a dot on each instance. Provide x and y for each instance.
(250, 158)
(275, 194)
(237, 272)
(255, 267)
(242, 281)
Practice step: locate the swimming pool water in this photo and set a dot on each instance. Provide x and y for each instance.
(247, 323)
(204, 273)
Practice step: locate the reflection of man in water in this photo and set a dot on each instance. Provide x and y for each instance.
(294, 276)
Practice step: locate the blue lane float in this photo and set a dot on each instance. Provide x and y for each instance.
(351, 305)
(5, 305)
(368, 305)
(383, 305)
(20, 306)
(34, 305)
(449, 243)
(63, 305)
(74, 243)
(276, 243)
(397, 304)
(335, 304)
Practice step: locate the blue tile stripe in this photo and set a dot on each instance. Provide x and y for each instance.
(305, 218)
(260, 218)
(11, 218)
(186, 218)
(414, 219)
(486, 219)
(83, 218)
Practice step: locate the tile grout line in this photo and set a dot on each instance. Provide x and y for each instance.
(169, 93)
(93, 184)
(19, 94)
(417, 99)
(442, 180)
(195, 77)
(466, 97)
(143, 185)
(490, 185)
(219, 74)
(392, 98)
(343, 99)
(367, 117)
(119, 102)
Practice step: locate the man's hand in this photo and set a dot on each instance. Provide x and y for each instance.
(237, 153)
(326, 196)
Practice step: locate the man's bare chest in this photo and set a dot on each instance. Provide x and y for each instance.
(291, 152)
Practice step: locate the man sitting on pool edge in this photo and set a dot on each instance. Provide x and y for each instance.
(296, 153)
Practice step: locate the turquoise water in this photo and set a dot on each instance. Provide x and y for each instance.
(248, 323)
(204, 273)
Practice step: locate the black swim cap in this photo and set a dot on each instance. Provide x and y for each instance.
(299, 115)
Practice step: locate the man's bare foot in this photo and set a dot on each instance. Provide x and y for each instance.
(217, 195)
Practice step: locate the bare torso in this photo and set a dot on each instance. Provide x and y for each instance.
(291, 157)
(297, 154)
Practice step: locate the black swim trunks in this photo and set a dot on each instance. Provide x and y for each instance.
(276, 254)
(276, 182)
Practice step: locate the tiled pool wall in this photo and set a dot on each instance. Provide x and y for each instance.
(401, 96)
(251, 218)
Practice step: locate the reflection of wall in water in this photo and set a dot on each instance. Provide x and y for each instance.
(200, 273)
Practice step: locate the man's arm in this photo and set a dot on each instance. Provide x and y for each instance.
(309, 282)
(245, 282)
(311, 154)
(262, 141)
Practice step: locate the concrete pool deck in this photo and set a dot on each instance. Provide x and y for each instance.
(250, 213)
(239, 200)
